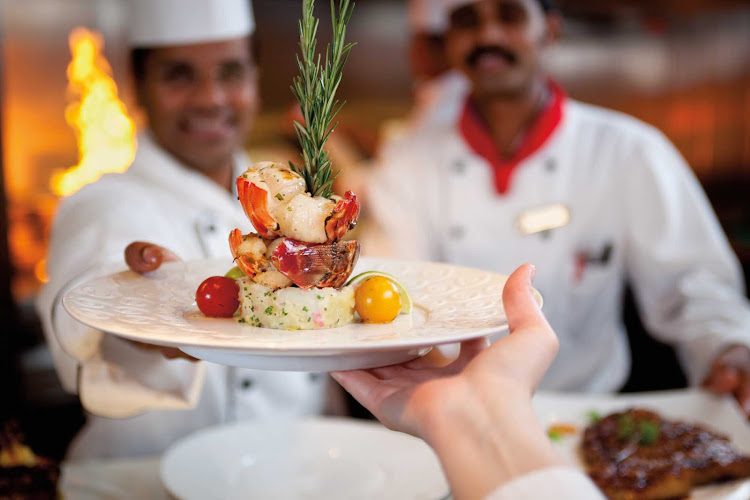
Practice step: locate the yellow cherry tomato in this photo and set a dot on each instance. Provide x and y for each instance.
(377, 300)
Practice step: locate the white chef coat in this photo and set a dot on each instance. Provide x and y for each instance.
(160, 201)
(437, 102)
(636, 211)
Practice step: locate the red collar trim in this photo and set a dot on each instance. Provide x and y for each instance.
(477, 136)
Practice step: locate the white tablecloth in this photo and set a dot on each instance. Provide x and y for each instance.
(114, 479)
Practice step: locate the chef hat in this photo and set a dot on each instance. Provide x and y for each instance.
(427, 16)
(451, 5)
(156, 23)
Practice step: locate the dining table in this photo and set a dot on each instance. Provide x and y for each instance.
(113, 479)
(142, 477)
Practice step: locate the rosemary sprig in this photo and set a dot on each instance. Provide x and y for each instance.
(315, 89)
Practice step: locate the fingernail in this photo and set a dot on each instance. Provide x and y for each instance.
(533, 272)
(151, 254)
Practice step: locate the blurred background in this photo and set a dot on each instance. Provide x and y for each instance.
(681, 65)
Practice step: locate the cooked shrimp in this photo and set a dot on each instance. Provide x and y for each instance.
(249, 252)
(274, 199)
(272, 278)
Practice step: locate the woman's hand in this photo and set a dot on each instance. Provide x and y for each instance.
(405, 396)
(476, 411)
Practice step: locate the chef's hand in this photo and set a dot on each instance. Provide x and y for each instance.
(476, 411)
(143, 257)
(730, 374)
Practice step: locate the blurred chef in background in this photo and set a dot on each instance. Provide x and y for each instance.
(196, 79)
(591, 196)
(437, 95)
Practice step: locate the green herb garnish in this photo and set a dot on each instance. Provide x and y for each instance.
(593, 416)
(269, 310)
(625, 426)
(315, 88)
(643, 432)
(648, 432)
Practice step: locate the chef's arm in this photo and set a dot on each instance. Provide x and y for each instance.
(687, 280)
(113, 377)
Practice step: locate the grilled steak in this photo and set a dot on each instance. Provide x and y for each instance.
(638, 455)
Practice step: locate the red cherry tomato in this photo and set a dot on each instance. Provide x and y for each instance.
(218, 297)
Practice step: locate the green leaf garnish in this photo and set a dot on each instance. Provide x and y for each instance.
(644, 432)
(315, 88)
(648, 432)
(593, 416)
(625, 426)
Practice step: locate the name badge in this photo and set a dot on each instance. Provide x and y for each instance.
(542, 219)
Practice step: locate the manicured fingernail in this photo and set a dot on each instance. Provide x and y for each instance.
(151, 254)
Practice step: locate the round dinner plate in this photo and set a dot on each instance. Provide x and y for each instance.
(302, 459)
(450, 304)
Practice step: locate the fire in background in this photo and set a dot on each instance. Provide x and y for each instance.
(104, 132)
(105, 137)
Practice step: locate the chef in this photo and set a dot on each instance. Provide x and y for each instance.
(438, 94)
(590, 196)
(196, 80)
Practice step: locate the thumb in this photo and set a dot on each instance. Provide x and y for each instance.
(521, 306)
(143, 257)
(531, 338)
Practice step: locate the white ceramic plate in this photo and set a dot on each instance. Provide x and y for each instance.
(451, 304)
(719, 414)
(302, 459)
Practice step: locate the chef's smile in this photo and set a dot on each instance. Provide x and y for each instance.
(222, 126)
(200, 100)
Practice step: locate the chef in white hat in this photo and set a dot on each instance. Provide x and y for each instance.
(592, 197)
(196, 81)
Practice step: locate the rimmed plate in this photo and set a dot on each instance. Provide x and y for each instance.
(302, 459)
(720, 414)
(451, 304)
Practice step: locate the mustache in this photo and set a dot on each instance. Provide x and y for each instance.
(496, 50)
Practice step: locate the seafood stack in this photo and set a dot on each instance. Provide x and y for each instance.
(291, 273)
(296, 264)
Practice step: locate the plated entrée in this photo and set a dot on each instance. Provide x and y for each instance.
(639, 455)
(292, 273)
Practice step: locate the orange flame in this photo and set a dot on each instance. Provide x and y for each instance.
(104, 131)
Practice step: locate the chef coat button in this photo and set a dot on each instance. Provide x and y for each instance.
(550, 164)
(212, 228)
(246, 383)
(314, 377)
(456, 232)
(458, 167)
